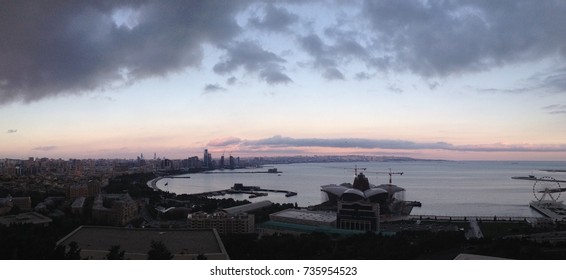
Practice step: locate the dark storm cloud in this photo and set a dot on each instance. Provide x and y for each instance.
(441, 38)
(289, 142)
(66, 47)
(253, 58)
(50, 48)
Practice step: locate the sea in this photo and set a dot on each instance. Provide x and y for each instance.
(444, 188)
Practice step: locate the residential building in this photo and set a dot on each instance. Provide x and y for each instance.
(78, 191)
(114, 209)
(222, 222)
(78, 206)
(25, 218)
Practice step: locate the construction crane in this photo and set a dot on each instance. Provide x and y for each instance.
(356, 169)
(390, 173)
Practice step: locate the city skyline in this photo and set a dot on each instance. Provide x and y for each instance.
(467, 80)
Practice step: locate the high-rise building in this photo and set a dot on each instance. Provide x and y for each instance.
(207, 160)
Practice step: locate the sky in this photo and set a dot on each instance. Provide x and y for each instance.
(456, 80)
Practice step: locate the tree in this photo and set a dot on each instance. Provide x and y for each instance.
(74, 252)
(115, 253)
(158, 251)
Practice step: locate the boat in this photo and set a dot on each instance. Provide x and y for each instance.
(288, 194)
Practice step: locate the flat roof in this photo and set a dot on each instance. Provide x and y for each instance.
(95, 242)
(299, 228)
(25, 218)
(248, 207)
(79, 202)
(476, 257)
(319, 216)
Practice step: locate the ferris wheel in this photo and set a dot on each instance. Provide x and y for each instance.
(547, 187)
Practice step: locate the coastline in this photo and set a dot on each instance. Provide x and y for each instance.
(153, 183)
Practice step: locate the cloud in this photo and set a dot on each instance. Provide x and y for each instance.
(51, 48)
(433, 85)
(12, 131)
(324, 56)
(551, 80)
(231, 80)
(360, 76)
(555, 109)
(224, 142)
(273, 75)
(213, 88)
(333, 74)
(328, 57)
(394, 88)
(55, 48)
(443, 38)
(253, 58)
(275, 19)
(45, 148)
(278, 142)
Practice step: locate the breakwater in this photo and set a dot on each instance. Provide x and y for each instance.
(253, 192)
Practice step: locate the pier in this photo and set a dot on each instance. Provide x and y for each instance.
(241, 172)
(269, 171)
(552, 209)
(465, 218)
(253, 191)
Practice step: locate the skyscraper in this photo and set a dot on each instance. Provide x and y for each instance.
(207, 160)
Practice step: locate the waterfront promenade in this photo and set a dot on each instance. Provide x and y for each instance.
(463, 218)
(153, 183)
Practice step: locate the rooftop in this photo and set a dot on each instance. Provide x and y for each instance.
(95, 242)
(25, 218)
(300, 228)
(247, 207)
(319, 216)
